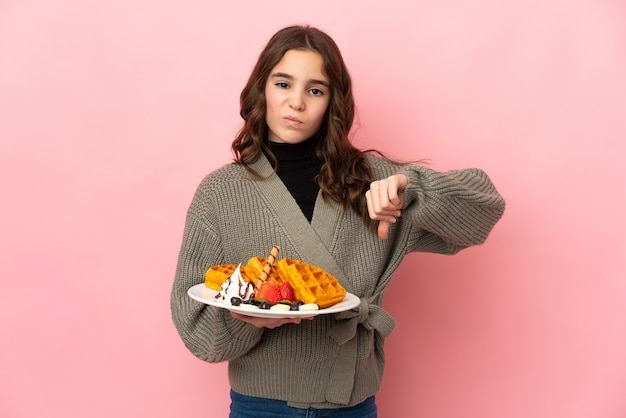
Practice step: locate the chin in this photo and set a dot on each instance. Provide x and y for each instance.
(292, 140)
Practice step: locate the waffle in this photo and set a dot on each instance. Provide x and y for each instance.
(311, 284)
(216, 275)
(254, 267)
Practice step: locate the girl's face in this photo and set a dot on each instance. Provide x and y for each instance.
(297, 95)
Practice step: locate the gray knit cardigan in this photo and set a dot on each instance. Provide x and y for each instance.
(333, 360)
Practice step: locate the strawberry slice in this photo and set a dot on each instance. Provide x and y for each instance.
(286, 292)
(269, 291)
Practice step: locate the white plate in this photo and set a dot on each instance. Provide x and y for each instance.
(203, 294)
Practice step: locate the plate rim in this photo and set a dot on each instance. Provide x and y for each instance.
(350, 301)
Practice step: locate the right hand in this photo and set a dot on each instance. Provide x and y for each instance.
(385, 199)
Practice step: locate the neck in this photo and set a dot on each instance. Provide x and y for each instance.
(291, 152)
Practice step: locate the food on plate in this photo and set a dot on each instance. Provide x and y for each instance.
(216, 275)
(311, 284)
(235, 287)
(269, 291)
(293, 283)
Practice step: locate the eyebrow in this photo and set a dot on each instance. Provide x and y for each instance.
(290, 77)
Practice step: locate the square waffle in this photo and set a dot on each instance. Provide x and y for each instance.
(311, 284)
(216, 275)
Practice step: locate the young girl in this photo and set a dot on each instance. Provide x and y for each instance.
(299, 183)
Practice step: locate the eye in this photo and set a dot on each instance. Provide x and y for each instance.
(317, 92)
(282, 85)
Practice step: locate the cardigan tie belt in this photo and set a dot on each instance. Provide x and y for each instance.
(344, 332)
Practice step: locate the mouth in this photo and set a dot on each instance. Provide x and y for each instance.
(293, 121)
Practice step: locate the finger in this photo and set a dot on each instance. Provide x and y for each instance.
(370, 204)
(383, 195)
(383, 230)
(392, 191)
(389, 198)
(394, 187)
(376, 212)
(377, 199)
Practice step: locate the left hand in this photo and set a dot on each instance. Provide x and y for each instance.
(385, 199)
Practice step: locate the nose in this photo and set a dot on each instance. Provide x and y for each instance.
(296, 101)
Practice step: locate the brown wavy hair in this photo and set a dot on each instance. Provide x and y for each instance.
(345, 175)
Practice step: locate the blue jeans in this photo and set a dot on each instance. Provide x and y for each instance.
(243, 406)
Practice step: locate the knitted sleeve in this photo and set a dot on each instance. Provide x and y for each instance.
(210, 333)
(452, 210)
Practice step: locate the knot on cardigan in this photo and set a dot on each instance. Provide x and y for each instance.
(364, 312)
(370, 316)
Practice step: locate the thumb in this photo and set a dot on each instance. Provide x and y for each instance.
(383, 229)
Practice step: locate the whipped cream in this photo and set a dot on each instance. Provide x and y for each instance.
(235, 286)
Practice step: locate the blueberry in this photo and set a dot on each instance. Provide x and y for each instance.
(265, 305)
(235, 301)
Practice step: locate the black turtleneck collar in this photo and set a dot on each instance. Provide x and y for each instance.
(297, 168)
(293, 152)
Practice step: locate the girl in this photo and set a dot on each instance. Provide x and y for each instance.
(299, 183)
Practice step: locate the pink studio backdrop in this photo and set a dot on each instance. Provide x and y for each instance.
(112, 112)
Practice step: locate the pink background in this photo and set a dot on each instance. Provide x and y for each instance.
(111, 113)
